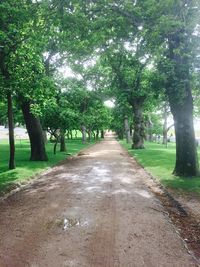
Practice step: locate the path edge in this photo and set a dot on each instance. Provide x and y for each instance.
(31, 179)
(168, 195)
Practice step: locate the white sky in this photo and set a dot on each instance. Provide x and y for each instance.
(67, 72)
(109, 103)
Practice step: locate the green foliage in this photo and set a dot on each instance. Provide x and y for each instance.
(3, 113)
(125, 50)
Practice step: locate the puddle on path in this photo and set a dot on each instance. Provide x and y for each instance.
(65, 223)
(68, 223)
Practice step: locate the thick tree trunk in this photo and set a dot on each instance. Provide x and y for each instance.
(33, 125)
(139, 128)
(97, 134)
(186, 151)
(62, 141)
(83, 129)
(11, 132)
(181, 104)
(102, 134)
(89, 135)
(127, 130)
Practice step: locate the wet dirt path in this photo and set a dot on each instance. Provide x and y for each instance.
(93, 210)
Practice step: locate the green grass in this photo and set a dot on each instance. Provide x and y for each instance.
(160, 161)
(25, 168)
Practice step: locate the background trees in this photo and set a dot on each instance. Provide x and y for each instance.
(131, 52)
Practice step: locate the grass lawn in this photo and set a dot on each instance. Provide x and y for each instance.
(25, 168)
(160, 161)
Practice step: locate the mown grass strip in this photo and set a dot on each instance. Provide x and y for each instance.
(26, 168)
(160, 161)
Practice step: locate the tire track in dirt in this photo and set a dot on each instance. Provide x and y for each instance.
(104, 236)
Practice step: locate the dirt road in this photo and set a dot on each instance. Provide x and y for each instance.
(92, 211)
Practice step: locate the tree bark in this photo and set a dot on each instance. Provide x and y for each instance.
(181, 104)
(127, 130)
(97, 134)
(55, 145)
(83, 129)
(11, 132)
(62, 141)
(34, 129)
(89, 135)
(139, 128)
(186, 151)
(102, 134)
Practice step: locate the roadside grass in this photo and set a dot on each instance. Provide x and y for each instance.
(159, 161)
(26, 168)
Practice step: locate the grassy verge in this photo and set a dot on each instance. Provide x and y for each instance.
(25, 168)
(159, 161)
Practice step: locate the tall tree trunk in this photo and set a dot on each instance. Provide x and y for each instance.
(127, 130)
(89, 135)
(102, 134)
(71, 134)
(34, 128)
(139, 128)
(181, 104)
(11, 132)
(186, 151)
(97, 134)
(62, 141)
(55, 145)
(83, 129)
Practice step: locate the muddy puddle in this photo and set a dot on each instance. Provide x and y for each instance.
(73, 222)
(66, 223)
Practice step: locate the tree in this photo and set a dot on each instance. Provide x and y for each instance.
(176, 32)
(133, 81)
(168, 31)
(13, 26)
